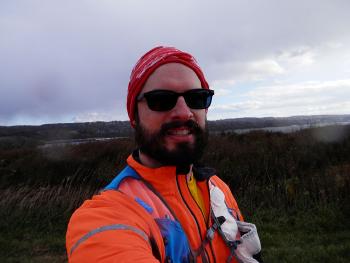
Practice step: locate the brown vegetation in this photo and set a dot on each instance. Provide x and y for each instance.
(41, 187)
(263, 169)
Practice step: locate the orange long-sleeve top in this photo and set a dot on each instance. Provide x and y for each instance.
(111, 227)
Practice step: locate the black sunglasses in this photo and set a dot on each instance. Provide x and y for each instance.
(165, 100)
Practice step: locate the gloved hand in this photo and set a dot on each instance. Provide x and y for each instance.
(250, 243)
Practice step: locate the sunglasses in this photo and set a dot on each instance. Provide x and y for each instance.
(165, 100)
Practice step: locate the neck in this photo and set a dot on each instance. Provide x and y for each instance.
(148, 161)
(153, 163)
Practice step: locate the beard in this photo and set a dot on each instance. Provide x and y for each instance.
(184, 153)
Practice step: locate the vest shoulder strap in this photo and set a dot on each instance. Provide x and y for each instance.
(177, 248)
(125, 173)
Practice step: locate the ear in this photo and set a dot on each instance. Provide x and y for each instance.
(206, 110)
(133, 123)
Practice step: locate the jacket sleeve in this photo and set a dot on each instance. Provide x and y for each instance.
(112, 227)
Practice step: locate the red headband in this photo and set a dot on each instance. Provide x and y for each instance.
(148, 63)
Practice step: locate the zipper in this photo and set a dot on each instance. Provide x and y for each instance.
(197, 204)
(193, 216)
(172, 212)
(207, 223)
(209, 220)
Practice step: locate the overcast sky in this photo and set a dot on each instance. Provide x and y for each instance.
(70, 61)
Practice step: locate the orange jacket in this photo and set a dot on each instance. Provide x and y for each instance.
(111, 227)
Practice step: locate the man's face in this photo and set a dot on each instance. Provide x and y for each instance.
(179, 135)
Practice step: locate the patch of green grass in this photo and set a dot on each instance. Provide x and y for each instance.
(32, 246)
(33, 225)
(32, 230)
(318, 235)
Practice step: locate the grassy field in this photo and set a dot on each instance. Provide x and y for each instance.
(318, 235)
(293, 187)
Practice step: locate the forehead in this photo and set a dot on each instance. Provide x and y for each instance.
(172, 76)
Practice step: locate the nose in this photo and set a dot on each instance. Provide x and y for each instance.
(181, 111)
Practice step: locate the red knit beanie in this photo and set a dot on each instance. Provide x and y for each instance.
(148, 63)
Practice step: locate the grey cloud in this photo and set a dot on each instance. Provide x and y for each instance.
(68, 57)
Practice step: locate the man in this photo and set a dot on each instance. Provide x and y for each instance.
(164, 207)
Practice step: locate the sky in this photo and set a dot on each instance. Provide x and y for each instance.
(70, 61)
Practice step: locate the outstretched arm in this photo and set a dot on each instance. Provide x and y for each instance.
(112, 228)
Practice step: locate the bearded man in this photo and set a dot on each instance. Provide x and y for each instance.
(164, 206)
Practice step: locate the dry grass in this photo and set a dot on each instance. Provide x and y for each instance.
(33, 221)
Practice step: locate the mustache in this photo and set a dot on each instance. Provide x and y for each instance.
(192, 125)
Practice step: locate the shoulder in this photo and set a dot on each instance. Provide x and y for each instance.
(109, 205)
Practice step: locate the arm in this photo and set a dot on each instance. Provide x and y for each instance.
(112, 227)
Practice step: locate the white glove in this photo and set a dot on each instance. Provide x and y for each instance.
(250, 243)
(217, 201)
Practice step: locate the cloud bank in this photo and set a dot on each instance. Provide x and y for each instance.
(66, 61)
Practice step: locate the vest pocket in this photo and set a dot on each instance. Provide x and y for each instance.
(177, 247)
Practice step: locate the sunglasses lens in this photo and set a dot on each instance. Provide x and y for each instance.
(198, 99)
(161, 100)
(165, 100)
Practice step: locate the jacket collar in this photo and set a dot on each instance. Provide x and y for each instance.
(201, 173)
(163, 179)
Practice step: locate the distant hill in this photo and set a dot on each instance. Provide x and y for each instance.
(59, 131)
(277, 124)
(69, 131)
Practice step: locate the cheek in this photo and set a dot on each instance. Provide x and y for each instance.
(201, 116)
(150, 119)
